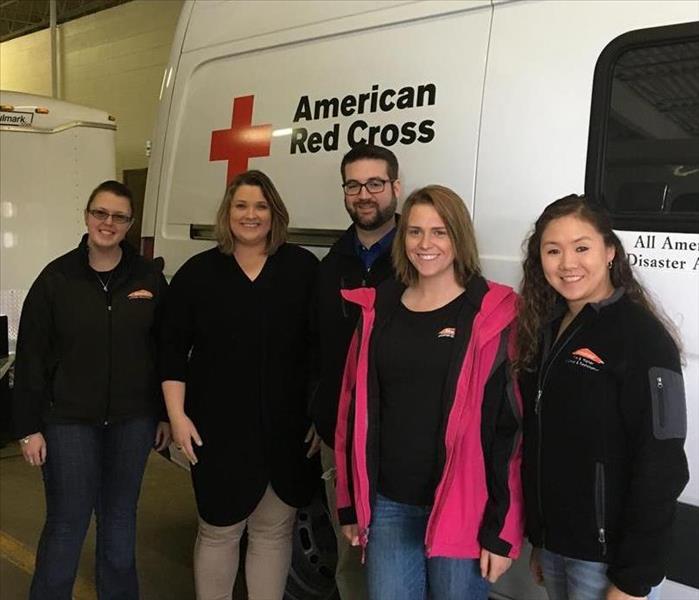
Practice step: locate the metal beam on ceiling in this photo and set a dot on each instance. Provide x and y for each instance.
(20, 18)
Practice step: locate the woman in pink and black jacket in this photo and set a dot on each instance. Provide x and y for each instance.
(428, 443)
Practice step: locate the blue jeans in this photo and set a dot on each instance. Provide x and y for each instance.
(397, 568)
(574, 579)
(92, 468)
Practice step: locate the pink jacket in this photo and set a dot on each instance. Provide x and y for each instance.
(458, 526)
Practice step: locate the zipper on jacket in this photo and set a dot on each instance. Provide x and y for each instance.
(537, 412)
(600, 506)
(108, 298)
(661, 400)
(537, 403)
(538, 407)
(447, 477)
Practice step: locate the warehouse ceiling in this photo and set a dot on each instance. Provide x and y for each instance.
(19, 17)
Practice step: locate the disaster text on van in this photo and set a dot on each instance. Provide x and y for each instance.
(677, 252)
(360, 131)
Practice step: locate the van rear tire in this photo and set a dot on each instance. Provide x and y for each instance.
(312, 572)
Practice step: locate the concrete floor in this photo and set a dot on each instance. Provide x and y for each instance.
(166, 531)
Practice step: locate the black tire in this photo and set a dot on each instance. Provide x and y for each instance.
(312, 573)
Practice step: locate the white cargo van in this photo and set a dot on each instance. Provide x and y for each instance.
(52, 155)
(512, 104)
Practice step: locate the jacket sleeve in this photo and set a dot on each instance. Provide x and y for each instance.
(653, 409)
(176, 326)
(501, 530)
(343, 437)
(157, 328)
(34, 362)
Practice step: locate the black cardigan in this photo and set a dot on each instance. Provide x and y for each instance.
(242, 348)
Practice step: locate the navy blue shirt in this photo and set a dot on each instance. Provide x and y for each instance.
(369, 255)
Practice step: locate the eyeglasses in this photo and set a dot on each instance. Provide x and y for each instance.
(103, 215)
(373, 186)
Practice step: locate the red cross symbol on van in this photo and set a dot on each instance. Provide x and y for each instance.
(242, 141)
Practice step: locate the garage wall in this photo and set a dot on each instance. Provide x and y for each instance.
(112, 60)
(25, 64)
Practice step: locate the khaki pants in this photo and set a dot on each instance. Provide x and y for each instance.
(350, 574)
(268, 558)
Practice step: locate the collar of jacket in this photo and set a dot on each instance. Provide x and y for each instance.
(560, 308)
(128, 253)
(391, 291)
(345, 245)
(589, 311)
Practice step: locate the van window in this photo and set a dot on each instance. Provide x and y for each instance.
(643, 153)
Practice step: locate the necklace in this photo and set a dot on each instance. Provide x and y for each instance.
(103, 283)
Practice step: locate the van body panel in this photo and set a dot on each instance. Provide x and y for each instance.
(219, 23)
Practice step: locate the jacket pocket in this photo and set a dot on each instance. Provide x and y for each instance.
(600, 506)
(668, 403)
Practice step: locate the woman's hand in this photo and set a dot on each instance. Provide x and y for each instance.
(535, 566)
(312, 437)
(34, 449)
(183, 432)
(162, 436)
(493, 565)
(614, 593)
(351, 532)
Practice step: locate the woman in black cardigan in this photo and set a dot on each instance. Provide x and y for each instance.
(235, 363)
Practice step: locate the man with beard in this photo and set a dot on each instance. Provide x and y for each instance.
(361, 257)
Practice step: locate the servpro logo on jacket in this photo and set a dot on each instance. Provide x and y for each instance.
(140, 295)
(586, 358)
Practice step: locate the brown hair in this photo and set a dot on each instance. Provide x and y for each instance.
(280, 217)
(371, 152)
(452, 210)
(115, 187)
(537, 297)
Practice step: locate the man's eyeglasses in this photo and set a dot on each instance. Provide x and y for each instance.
(373, 186)
(103, 215)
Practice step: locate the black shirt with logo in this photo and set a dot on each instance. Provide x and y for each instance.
(412, 358)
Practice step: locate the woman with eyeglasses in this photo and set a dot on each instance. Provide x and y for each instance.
(428, 442)
(86, 397)
(235, 371)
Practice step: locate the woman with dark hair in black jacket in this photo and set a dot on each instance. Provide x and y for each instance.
(86, 397)
(604, 418)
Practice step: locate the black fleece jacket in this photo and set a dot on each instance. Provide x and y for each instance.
(85, 355)
(335, 321)
(604, 428)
